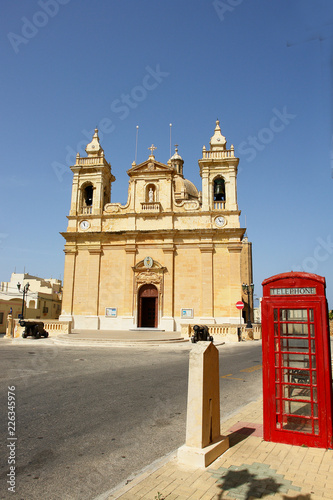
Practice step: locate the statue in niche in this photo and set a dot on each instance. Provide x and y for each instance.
(151, 195)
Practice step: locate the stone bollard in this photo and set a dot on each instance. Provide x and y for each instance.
(10, 326)
(204, 442)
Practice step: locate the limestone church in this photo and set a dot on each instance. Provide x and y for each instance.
(171, 255)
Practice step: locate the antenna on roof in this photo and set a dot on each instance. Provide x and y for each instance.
(136, 142)
(170, 139)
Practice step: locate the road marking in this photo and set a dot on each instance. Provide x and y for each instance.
(252, 369)
(230, 377)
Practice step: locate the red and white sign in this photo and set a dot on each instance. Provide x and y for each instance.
(240, 305)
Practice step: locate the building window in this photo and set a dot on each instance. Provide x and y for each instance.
(1, 318)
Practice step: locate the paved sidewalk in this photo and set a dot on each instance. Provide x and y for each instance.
(251, 468)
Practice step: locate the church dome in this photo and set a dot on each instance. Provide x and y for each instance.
(176, 156)
(185, 189)
(191, 189)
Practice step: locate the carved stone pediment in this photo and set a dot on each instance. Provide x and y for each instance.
(149, 166)
(156, 267)
(148, 277)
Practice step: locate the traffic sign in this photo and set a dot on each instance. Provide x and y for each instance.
(240, 305)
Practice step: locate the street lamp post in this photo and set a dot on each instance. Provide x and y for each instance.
(248, 290)
(24, 291)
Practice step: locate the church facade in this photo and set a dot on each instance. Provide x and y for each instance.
(170, 255)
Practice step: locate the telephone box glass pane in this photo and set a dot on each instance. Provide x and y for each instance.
(297, 424)
(295, 360)
(316, 427)
(315, 410)
(297, 345)
(296, 376)
(297, 408)
(297, 392)
(293, 315)
(295, 329)
(275, 314)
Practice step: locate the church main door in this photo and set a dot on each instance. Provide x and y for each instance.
(148, 307)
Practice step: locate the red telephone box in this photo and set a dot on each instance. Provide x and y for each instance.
(297, 378)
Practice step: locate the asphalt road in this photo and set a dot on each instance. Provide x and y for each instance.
(88, 417)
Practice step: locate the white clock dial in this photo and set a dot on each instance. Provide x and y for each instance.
(84, 224)
(220, 221)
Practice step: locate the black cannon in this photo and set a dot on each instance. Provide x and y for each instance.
(201, 333)
(33, 328)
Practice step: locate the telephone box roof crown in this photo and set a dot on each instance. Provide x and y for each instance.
(217, 141)
(94, 148)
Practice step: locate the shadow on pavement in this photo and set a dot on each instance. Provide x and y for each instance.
(246, 485)
(239, 435)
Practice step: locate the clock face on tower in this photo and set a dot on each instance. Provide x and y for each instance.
(84, 224)
(220, 221)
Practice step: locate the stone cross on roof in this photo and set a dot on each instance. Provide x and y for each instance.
(152, 149)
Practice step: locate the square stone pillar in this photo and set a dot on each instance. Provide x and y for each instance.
(207, 289)
(168, 304)
(69, 280)
(204, 442)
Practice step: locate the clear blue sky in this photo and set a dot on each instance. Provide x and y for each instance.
(263, 68)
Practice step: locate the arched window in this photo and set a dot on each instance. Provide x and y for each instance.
(219, 189)
(88, 195)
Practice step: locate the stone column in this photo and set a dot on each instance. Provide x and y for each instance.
(204, 442)
(207, 291)
(97, 198)
(205, 189)
(68, 289)
(168, 292)
(75, 201)
(231, 195)
(94, 283)
(235, 283)
(128, 300)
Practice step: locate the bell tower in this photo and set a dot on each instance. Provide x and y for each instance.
(218, 170)
(91, 188)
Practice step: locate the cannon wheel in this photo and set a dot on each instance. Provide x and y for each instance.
(46, 334)
(36, 332)
(24, 335)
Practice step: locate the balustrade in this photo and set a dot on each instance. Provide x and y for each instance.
(216, 155)
(151, 207)
(86, 210)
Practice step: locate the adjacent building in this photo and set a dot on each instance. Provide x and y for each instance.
(42, 300)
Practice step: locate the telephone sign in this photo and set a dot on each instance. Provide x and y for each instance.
(297, 380)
